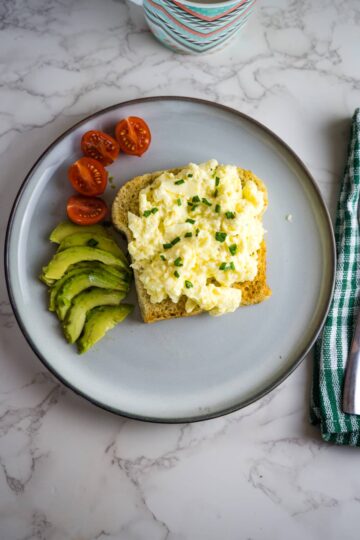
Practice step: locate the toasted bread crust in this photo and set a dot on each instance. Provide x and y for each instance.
(127, 200)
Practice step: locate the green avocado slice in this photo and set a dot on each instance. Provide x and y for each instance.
(65, 228)
(61, 261)
(93, 240)
(82, 303)
(99, 321)
(80, 268)
(84, 280)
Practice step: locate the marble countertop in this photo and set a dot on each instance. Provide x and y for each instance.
(71, 471)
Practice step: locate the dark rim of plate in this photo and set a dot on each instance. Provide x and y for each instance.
(205, 416)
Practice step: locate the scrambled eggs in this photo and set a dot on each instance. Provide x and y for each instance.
(197, 234)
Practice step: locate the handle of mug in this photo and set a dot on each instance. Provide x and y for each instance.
(136, 12)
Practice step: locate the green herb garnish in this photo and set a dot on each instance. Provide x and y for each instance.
(205, 201)
(220, 236)
(222, 266)
(216, 193)
(152, 211)
(192, 221)
(190, 175)
(233, 249)
(175, 241)
(179, 182)
(178, 201)
(232, 265)
(178, 262)
(230, 215)
(197, 232)
(188, 235)
(196, 198)
(217, 181)
(92, 242)
(176, 274)
(218, 208)
(167, 246)
(188, 284)
(162, 257)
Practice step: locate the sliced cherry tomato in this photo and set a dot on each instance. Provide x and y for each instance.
(86, 210)
(100, 146)
(133, 135)
(88, 176)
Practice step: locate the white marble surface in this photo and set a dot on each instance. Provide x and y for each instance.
(71, 471)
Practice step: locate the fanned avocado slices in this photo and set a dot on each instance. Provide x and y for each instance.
(66, 228)
(88, 277)
(61, 261)
(99, 321)
(82, 304)
(91, 239)
(79, 268)
(84, 280)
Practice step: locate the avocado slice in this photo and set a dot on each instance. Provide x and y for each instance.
(82, 303)
(93, 239)
(84, 280)
(61, 261)
(79, 268)
(65, 228)
(98, 321)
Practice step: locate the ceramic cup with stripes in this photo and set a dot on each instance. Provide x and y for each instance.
(196, 27)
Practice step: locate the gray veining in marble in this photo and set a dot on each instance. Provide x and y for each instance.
(70, 471)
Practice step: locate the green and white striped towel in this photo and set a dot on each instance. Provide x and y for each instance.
(332, 348)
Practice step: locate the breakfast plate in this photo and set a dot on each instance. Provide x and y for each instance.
(192, 368)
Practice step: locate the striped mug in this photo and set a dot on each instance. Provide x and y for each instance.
(196, 27)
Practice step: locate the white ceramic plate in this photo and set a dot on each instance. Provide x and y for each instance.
(193, 368)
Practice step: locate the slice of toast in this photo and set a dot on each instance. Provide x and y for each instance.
(127, 200)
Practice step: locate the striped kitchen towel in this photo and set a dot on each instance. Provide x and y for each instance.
(333, 346)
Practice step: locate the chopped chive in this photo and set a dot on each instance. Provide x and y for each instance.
(194, 207)
(176, 274)
(188, 284)
(178, 262)
(196, 198)
(188, 235)
(178, 201)
(205, 201)
(220, 236)
(230, 215)
(218, 208)
(197, 232)
(111, 178)
(233, 249)
(232, 265)
(192, 221)
(222, 266)
(152, 211)
(162, 257)
(92, 242)
(190, 175)
(167, 246)
(217, 181)
(175, 241)
(179, 182)
(216, 193)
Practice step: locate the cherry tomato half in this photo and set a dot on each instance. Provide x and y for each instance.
(133, 135)
(88, 176)
(98, 145)
(86, 210)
